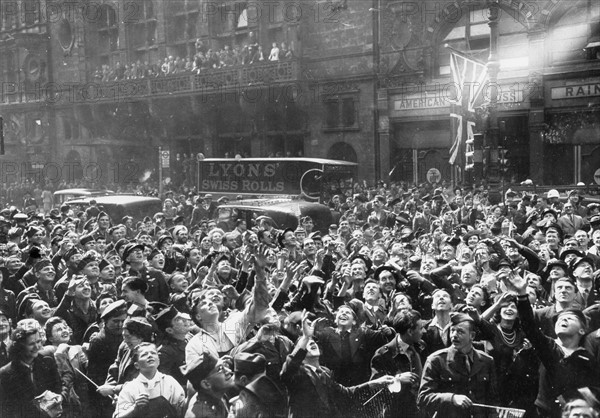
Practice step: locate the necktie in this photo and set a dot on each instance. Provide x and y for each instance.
(467, 364)
(345, 337)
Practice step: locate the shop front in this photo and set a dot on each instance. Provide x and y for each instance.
(572, 131)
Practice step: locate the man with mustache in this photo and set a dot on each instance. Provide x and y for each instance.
(459, 376)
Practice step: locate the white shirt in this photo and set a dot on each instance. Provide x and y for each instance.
(161, 385)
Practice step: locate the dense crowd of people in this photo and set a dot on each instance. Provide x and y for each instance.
(416, 303)
(203, 60)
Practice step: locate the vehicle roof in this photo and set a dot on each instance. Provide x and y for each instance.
(116, 199)
(268, 160)
(82, 191)
(272, 204)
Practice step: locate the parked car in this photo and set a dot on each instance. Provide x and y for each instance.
(284, 212)
(117, 206)
(62, 196)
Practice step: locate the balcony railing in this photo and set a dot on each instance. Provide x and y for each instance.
(207, 82)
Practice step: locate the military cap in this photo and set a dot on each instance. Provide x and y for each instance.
(249, 364)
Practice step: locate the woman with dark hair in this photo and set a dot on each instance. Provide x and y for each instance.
(136, 330)
(516, 363)
(28, 375)
(134, 292)
(68, 358)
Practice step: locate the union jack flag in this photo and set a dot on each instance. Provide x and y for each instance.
(469, 78)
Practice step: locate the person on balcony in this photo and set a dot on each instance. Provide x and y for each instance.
(274, 55)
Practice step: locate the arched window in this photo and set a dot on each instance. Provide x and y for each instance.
(342, 151)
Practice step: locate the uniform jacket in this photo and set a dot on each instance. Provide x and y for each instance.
(101, 354)
(172, 356)
(123, 369)
(444, 375)
(205, 405)
(158, 290)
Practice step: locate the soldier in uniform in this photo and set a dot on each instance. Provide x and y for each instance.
(211, 378)
(158, 290)
(103, 224)
(456, 377)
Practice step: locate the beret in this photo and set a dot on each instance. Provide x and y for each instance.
(104, 263)
(32, 231)
(85, 261)
(70, 253)
(41, 265)
(154, 253)
(86, 239)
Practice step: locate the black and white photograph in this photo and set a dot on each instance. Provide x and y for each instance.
(300, 209)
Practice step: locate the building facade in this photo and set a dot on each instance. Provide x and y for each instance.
(94, 90)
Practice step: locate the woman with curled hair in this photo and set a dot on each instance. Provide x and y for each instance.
(514, 358)
(216, 239)
(28, 375)
(68, 358)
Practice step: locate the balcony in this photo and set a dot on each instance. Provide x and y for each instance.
(207, 82)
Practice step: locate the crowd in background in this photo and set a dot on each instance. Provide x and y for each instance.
(416, 301)
(203, 60)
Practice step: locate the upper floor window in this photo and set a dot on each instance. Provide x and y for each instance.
(340, 113)
(575, 36)
(471, 35)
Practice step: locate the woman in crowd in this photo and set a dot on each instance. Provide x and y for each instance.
(29, 375)
(516, 363)
(71, 362)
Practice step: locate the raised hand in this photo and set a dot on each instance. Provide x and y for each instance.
(260, 257)
(308, 326)
(515, 282)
